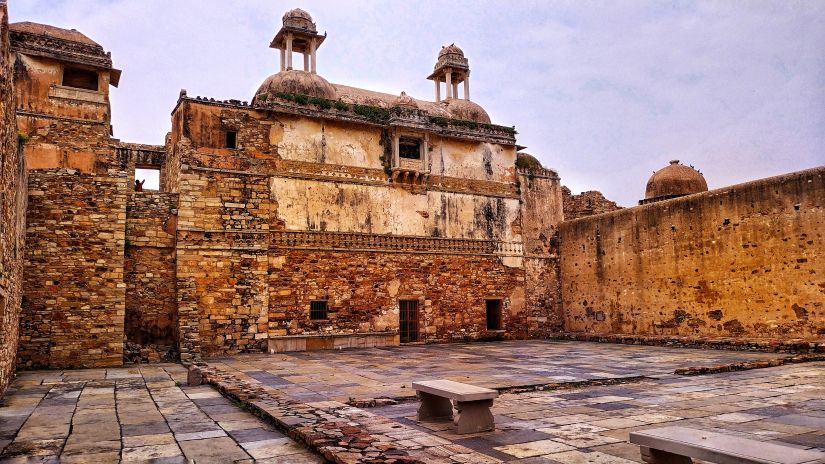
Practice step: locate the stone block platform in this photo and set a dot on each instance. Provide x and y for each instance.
(140, 414)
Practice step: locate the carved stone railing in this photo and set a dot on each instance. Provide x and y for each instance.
(352, 241)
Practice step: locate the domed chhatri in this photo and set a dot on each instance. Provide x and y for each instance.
(451, 49)
(298, 18)
(298, 82)
(299, 34)
(674, 180)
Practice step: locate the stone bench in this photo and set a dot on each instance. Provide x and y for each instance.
(677, 445)
(472, 403)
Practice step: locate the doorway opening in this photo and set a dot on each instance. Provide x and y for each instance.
(408, 323)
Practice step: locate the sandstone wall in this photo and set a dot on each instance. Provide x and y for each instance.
(305, 210)
(742, 261)
(73, 308)
(151, 301)
(586, 204)
(541, 214)
(362, 290)
(12, 212)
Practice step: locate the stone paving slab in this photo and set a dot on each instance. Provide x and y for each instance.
(782, 404)
(139, 414)
(388, 372)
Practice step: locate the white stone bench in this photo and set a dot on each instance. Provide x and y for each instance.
(677, 445)
(472, 403)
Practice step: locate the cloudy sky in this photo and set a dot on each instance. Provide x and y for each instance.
(602, 91)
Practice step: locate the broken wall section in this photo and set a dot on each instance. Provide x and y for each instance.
(742, 261)
(151, 301)
(541, 214)
(586, 204)
(12, 212)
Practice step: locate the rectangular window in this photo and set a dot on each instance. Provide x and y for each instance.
(409, 148)
(318, 310)
(231, 139)
(493, 314)
(80, 78)
(147, 179)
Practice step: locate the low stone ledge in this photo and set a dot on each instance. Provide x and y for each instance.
(323, 426)
(340, 433)
(748, 365)
(734, 344)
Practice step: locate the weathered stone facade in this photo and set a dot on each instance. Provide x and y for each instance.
(74, 289)
(586, 204)
(740, 261)
(12, 212)
(318, 215)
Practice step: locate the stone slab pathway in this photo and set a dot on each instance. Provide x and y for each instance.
(591, 425)
(140, 414)
(388, 372)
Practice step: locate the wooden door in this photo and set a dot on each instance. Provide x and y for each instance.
(408, 323)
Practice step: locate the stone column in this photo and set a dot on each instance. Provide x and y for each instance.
(396, 150)
(312, 55)
(306, 61)
(289, 51)
(455, 89)
(449, 83)
(467, 87)
(437, 89)
(283, 59)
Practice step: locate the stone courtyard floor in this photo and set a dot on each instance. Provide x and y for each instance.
(144, 413)
(139, 414)
(388, 372)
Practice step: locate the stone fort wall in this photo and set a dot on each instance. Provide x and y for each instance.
(12, 212)
(741, 261)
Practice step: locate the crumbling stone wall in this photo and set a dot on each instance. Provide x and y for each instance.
(586, 204)
(742, 261)
(12, 212)
(74, 301)
(151, 302)
(362, 290)
(541, 214)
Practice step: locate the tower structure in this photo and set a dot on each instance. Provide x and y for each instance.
(452, 68)
(298, 34)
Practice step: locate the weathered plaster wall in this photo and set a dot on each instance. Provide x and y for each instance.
(66, 128)
(151, 301)
(74, 294)
(303, 205)
(12, 213)
(742, 261)
(346, 207)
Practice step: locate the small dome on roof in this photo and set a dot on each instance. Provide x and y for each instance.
(451, 49)
(467, 110)
(297, 13)
(405, 101)
(674, 180)
(298, 82)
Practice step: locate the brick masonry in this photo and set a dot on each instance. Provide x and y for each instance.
(151, 301)
(12, 212)
(74, 303)
(740, 261)
(586, 204)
